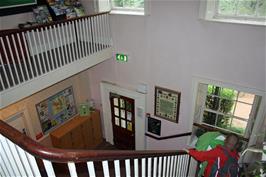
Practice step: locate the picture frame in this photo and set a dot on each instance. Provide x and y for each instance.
(167, 104)
(9, 7)
(154, 126)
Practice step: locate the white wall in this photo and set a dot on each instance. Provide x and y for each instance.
(171, 46)
(12, 21)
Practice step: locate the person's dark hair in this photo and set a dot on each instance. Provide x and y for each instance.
(238, 145)
(233, 135)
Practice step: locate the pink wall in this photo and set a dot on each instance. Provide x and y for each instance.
(171, 46)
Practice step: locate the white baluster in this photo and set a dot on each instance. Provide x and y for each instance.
(99, 32)
(117, 168)
(58, 56)
(48, 168)
(143, 167)
(106, 31)
(73, 46)
(23, 55)
(164, 166)
(18, 59)
(32, 54)
(4, 69)
(174, 172)
(127, 168)
(168, 165)
(28, 55)
(95, 34)
(57, 40)
(53, 48)
(43, 68)
(105, 168)
(91, 34)
(154, 166)
(25, 161)
(109, 31)
(160, 166)
(183, 165)
(33, 164)
(72, 169)
(149, 167)
(5, 158)
(87, 37)
(16, 156)
(136, 167)
(91, 170)
(83, 37)
(12, 57)
(61, 44)
(8, 64)
(78, 39)
(65, 51)
(68, 42)
(37, 53)
(3, 165)
(171, 167)
(47, 58)
(178, 167)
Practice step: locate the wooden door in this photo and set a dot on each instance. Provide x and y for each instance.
(123, 121)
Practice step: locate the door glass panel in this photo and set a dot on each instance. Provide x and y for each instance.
(116, 111)
(129, 126)
(129, 106)
(116, 101)
(122, 103)
(123, 114)
(129, 116)
(117, 121)
(123, 123)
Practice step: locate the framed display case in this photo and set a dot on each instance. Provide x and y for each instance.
(167, 103)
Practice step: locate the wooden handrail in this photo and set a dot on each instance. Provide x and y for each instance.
(64, 156)
(12, 31)
(168, 137)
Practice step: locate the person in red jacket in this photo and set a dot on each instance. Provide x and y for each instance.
(218, 157)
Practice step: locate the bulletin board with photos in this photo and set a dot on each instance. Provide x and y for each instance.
(56, 109)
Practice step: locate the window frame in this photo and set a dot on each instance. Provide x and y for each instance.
(253, 126)
(130, 11)
(209, 11)
(232, 116)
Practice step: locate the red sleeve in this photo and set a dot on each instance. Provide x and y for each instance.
(203, 155)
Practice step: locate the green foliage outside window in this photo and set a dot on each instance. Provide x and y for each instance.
(221, 100)
(128, 3)
(242, 7)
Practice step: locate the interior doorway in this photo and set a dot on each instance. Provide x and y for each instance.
(110, 94)
(123, 121)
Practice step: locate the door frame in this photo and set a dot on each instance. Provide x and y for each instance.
(140, 110)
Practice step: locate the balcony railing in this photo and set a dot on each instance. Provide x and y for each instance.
(37, 57)
(21, 156)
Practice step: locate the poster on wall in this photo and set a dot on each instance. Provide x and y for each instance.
(56, 109)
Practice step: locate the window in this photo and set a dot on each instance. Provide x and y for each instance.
(235, 11)
(226, 108)
(135, 7)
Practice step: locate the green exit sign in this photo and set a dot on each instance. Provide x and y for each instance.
(121, 57)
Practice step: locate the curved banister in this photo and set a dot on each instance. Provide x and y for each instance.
(64, 156)
(12, 31)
